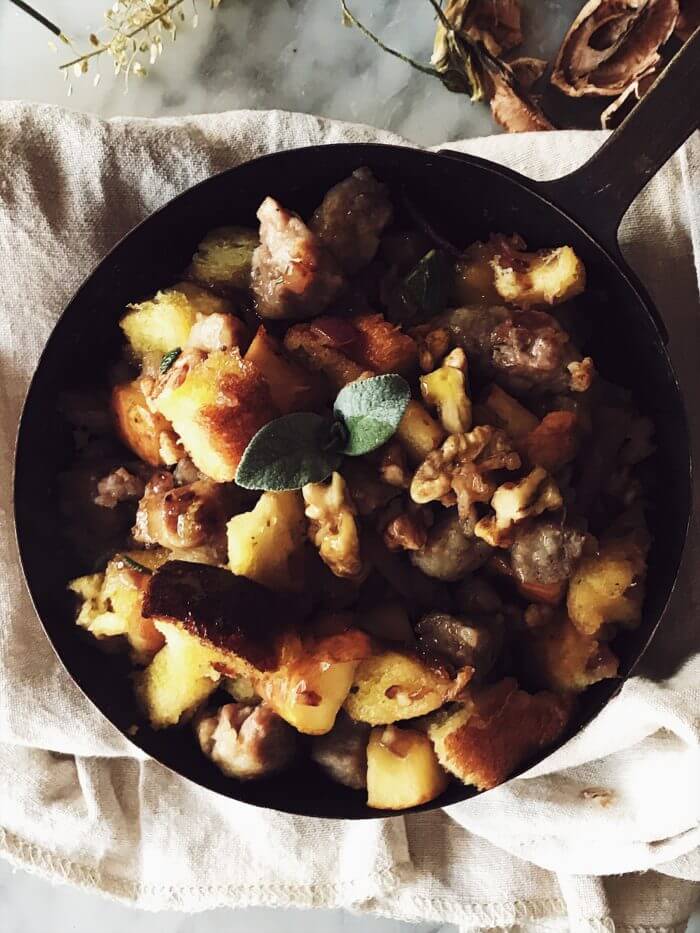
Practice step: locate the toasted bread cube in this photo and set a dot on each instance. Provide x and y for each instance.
(223, 258)
(179, 678)
(145, 432)
(402, 769)
(382, 347)
(484, 741)
(418, 432)
(609, 587)
(266, 544)
(160, 324)
(112, 602)
(564, 659)
(292, 387)
(393, 685)
(546, 277)
(203, 300)
(310, 347)
(216, 410)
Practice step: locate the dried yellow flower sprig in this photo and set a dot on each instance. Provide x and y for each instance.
(132, 35)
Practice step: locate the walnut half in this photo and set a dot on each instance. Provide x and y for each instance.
(458, 471)
(514, 502)
(332, 526)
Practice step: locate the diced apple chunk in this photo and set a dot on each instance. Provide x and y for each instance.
(266, 544)
(402, 769)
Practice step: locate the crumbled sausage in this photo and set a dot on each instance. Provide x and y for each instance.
(246, 741)
(342, 752)
(350, 219)
(118, 486)
(181, 517)
(546, 552)
(449, 553)
(292, 275)
(461, 641)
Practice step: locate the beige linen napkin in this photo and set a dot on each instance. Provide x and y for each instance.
(81, 804)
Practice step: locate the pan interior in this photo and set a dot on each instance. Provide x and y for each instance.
(465, 201)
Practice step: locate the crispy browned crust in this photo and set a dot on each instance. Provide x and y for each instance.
(221, 609)
(507, 728)
(383, 347)
(243, 406)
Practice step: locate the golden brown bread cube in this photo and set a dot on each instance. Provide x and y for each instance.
(610, 586)
(402, 770)
(223, 258)
(146, 432)
(218, 407)
(292, 387)
(395, 685)
(561, 658)
(546, 277)
(179, 678)
(310, 346)
(484, 741)
(160, 324)
(112, 601)
(382, 347)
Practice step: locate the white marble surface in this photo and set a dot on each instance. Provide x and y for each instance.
(292, 54)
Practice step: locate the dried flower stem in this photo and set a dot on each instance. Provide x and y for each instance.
(104, 47)
(350, 18)
(39, 17)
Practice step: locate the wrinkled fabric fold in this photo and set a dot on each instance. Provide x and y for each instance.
(81, 804)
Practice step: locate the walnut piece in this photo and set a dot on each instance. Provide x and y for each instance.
(332, 526)
(446, 389)
(457, 471)
(433, 343)
(514, 502)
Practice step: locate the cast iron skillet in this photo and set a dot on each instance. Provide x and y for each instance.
(467, 198)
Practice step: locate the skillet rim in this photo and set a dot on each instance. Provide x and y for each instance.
(532, 187)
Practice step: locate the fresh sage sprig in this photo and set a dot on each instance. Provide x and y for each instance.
(425, 288)
(305, 447)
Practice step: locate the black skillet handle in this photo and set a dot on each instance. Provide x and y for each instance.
(599, 193)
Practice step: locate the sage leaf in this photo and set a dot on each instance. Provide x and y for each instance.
(426, 286)
(371, 410)
(291, 451)
(168, 360)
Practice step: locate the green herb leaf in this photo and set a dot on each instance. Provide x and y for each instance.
(168, 360)
(426, 286)
(291, 451)
(371, 410)
(134, 564)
